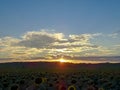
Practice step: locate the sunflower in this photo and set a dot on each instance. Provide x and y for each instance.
(72, 87)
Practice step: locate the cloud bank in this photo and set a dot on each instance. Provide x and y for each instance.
(43, 44)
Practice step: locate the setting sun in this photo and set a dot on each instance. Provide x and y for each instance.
(62, 60)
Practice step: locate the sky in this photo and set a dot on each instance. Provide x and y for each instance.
(47, 28)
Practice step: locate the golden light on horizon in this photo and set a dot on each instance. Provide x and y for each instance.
(62, 60)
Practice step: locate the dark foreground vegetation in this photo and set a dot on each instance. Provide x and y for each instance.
(59, 76)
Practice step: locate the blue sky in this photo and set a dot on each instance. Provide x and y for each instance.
(67, 16)
(94, 22)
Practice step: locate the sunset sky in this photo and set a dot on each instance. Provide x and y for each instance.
(46, 28)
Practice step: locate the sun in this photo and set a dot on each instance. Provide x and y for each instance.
(62, 60)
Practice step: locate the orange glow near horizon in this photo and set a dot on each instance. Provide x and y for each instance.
(62, 60)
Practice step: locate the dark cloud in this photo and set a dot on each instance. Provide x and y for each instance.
(37, 40)
(74, 46)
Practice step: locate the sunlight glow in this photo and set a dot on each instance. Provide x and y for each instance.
(62, 60)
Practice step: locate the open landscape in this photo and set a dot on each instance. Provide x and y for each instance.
(60, 75)
(59, 44)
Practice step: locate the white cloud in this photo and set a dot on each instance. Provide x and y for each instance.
(114, 35)
(8, 41)
(39, 39)
(42, 44)
(55, 40)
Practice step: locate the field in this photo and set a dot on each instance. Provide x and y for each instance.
(104, 76)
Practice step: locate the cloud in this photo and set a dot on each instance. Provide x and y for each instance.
(113, 35)
(83, 38)
(43, 44)
(117, 46)
(59, 46)
(39, 39)
(55, 40)
(8, 41)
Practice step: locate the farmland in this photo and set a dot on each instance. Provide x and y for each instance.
(82, 76)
